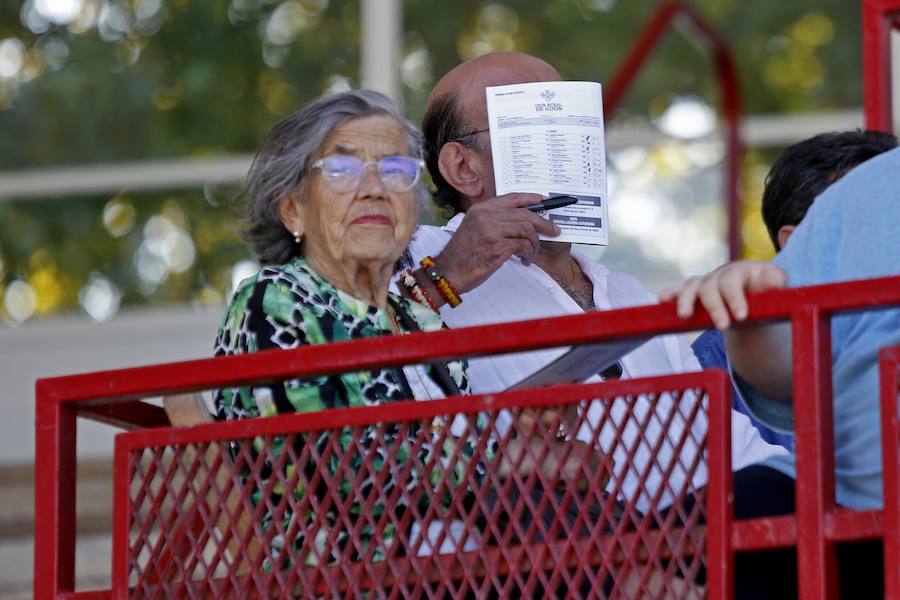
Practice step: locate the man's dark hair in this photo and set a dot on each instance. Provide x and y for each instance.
(803, 171)
(442, 124)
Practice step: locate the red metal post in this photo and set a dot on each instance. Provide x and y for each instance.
(121, 521)
(814, 435)
(54, 496)
(878, 19)
(729, 90)
(889, 363)
(719, 496)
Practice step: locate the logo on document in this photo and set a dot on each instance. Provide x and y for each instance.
(547, 105)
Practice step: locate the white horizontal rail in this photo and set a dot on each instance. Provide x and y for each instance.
(112, 178)
(764, 131)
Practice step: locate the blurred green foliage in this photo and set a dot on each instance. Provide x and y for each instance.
(140, 79)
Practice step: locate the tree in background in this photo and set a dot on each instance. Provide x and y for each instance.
(89, 81)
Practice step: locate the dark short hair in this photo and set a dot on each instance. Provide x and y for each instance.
(283, 161)
(442, 124)
(803, 171)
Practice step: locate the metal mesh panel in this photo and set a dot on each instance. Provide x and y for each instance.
(598, 498)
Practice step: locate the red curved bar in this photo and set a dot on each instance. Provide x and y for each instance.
(729, 88)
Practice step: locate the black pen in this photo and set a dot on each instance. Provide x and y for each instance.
(551, 203)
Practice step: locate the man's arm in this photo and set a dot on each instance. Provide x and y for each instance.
(492, 232)
(759, 354)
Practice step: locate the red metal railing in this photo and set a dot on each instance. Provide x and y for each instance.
(679, 13)
(889, 360)
(113, 397)
(373, 481)
(110, 396)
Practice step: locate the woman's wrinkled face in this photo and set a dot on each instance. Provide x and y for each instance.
(368, 224)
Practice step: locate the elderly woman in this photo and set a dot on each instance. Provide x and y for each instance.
(334, 202)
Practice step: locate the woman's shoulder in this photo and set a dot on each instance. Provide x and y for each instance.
(275, 290)
(293, 279)
(279, 303)
(294, 275)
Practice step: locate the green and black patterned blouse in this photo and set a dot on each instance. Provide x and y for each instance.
(290, 305)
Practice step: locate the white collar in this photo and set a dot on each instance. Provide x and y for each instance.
(453, 224)
(593, 270)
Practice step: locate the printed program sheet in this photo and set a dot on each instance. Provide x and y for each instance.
(547, 138)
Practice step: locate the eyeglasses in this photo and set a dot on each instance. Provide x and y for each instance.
(344, 173)
(465, 135)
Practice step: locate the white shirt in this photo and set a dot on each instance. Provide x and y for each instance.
(516, 293)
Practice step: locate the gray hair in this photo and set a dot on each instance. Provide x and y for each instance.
(283, 161)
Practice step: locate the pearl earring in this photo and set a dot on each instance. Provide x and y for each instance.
(296, 237)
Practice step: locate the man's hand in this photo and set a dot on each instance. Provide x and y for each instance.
(492, 232)
(570, 462)
(723, 292)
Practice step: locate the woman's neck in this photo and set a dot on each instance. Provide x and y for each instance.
(366, 281)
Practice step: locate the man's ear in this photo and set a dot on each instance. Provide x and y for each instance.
(461, 168)
(784, 233)
(291, 215)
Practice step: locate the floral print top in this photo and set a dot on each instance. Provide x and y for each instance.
(290, 305)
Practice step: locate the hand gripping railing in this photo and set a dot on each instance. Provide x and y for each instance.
(112, 397)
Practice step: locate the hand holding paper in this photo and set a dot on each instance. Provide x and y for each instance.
(492, 232)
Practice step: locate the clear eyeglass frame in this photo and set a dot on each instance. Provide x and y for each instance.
(349, 178)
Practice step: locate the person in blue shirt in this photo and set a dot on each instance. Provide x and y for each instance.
(849, 233)
(799, 174)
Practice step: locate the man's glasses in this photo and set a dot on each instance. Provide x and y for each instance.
(344, 173)
(467, 135)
